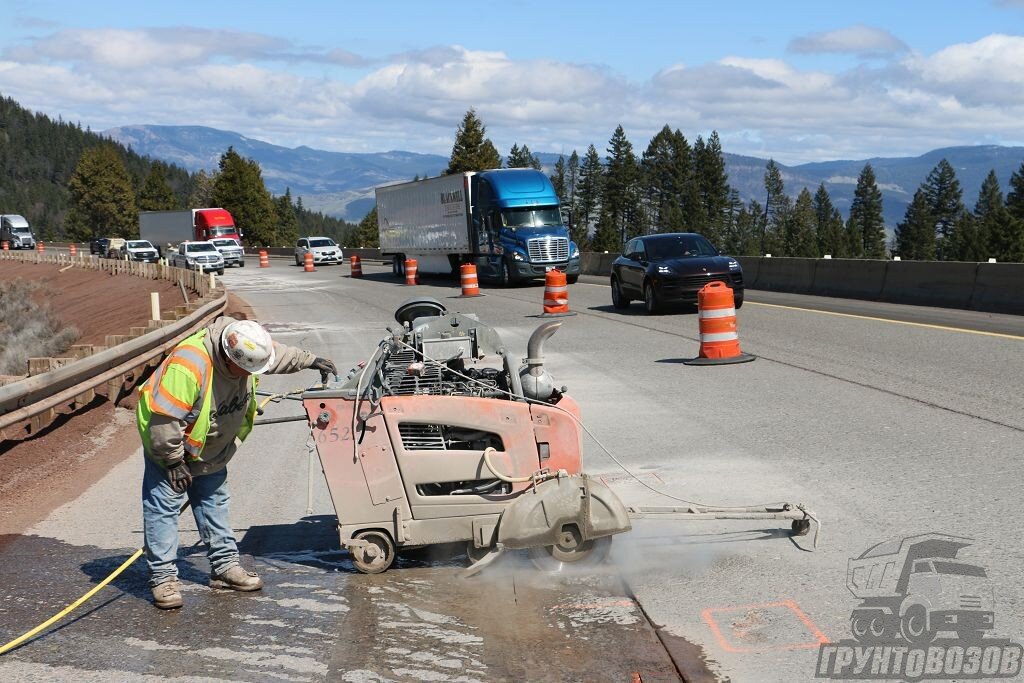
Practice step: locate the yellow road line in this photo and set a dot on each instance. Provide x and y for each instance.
(889, 320)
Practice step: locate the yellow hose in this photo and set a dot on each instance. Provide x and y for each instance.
(67, 610)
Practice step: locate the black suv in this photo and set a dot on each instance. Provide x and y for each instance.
(99, 246)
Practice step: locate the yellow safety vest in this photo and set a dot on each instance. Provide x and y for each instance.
(181, 388)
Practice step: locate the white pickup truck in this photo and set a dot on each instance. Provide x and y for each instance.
(231, 250)
(197, 256)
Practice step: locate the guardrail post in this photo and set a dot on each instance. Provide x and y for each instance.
(154, 305)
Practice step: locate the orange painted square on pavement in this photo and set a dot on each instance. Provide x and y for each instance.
(757, 628)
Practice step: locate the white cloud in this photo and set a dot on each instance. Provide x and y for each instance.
(861, 40)
(269, 89)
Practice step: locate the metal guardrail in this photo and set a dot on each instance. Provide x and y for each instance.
(37, 399)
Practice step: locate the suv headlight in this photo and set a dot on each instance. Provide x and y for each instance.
(734, 264)
(664, 269)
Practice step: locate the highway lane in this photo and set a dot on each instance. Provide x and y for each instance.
(883, 429)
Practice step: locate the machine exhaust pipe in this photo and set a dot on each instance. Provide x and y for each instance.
(537, 383)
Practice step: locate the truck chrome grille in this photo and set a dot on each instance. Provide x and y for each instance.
(548, 249)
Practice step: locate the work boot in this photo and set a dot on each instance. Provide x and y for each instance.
(237, 579)
(167, 595)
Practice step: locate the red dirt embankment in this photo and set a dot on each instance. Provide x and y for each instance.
(95, 302)
(43, 472)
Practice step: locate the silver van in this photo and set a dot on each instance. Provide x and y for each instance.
(15, 231)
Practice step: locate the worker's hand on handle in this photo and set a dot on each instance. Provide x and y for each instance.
(325, 366)
(179, 476)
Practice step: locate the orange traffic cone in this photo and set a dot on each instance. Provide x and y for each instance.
(470, 284)
(556, 295)
(411, 271)
(308, 262)
(357, 266)
(264, 259)
(73, 249)
(40, 247)
(6, 246)
(719, 341)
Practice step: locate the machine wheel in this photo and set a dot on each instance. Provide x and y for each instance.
(651, 303)
(914, 626)
(375, 557)
(801, 527)
(619, 298)
(571, 552)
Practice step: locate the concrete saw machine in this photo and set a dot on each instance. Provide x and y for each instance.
(442, 437)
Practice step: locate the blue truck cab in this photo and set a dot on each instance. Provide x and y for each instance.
(518, 226)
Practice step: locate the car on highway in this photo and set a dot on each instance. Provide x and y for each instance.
(670, 268)
(197, 256)
(140, 250)
(231, 250)
(98, 246)
(324, 250)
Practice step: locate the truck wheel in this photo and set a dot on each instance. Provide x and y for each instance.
(297, 261)
(398, 265)
(914, 626)
(859, 626)
(241, 263)
(220, 271)
(506, 278)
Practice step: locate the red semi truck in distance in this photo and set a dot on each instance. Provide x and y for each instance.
(163, 228)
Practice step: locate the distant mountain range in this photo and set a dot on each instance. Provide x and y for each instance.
(341, 184)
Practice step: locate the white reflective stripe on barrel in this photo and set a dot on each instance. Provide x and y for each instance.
(716, 312)
(718, 336)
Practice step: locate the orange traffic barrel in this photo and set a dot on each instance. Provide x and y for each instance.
(40, 247)
(6, 246)
(411, 271)
(556, 295)
(73, 249)
(264, 259)
(308, 262)
(719, 339)
(470, 284)
(357, 266)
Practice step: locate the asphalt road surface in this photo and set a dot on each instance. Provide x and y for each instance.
(888, 421)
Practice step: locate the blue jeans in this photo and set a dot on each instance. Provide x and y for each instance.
(209, 498)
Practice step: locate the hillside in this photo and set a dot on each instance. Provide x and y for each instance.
(341, 184)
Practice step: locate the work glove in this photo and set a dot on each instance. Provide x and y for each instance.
(179, 476)
(325, 366)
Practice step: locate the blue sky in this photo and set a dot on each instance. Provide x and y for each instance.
(799, 81)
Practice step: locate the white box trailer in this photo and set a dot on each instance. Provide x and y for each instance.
(427, 220)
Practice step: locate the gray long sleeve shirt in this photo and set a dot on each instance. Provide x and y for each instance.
(229, 402)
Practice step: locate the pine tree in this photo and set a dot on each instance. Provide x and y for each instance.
(866, 224)
(828, 224)
(712, 186)
(667, 181)
(156, 194)
(102, 196)
(621, 201)
(287, 220)
(800, 235)
(239, 188)
(367, 235)
(1015, 197)
(777, 207)
(589, 191)
(607, 235)
(999, 234)
(472, 150)
(558, 182)
(521, 157)
(915, 236)
(945, 201)
(202, 190)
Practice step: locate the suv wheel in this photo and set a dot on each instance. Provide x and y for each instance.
(619, 299)
(651, 303)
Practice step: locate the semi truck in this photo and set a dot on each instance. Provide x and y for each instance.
(507, 222)
(916, 588)
(166, 228)
(14, 230)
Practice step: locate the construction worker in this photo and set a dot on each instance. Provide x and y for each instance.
(193, 413)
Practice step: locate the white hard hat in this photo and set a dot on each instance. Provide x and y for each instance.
(248, 346)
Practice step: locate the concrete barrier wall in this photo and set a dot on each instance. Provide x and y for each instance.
(993, 287)
(921, 283)
(849, 278)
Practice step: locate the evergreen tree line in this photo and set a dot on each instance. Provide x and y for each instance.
(73, 184)
(675, 186)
